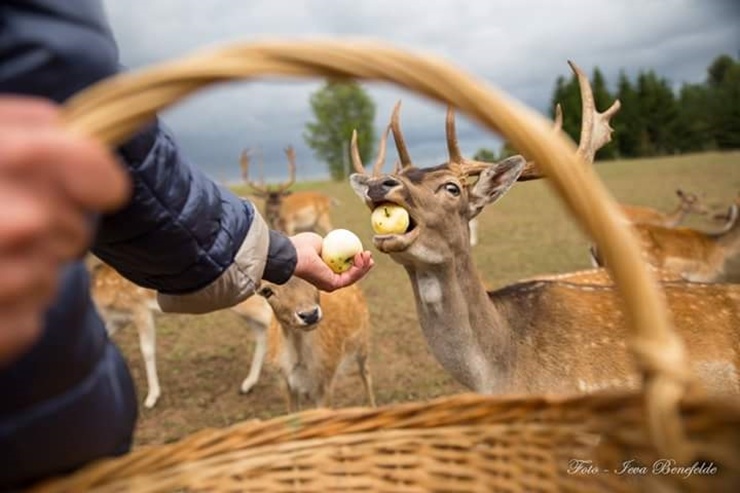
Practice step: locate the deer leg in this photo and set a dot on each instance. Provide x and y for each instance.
(147, 343)
(260, 348)
(367, 380)
(292, 397)
(594, 256)
(324, 224)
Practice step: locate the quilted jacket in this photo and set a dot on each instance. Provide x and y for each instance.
(70, 398)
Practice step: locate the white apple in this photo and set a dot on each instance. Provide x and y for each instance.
(339, 249)
(389, 219)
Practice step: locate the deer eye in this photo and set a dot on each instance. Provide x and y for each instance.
(266, 292)
(452, 189)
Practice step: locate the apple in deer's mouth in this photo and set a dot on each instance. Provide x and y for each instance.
(389, 218)
(339, 248)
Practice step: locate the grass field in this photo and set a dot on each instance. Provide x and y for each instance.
(203, 359)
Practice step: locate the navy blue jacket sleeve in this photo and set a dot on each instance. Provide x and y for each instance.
(181, 231)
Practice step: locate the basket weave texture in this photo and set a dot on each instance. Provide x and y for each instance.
(458, 443)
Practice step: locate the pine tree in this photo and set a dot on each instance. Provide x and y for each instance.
(629, 126)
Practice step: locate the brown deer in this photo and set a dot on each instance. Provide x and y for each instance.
(688, 203)
(291, 212)
(691, 254)
(313, 335)
(537, 336)
(121, 302)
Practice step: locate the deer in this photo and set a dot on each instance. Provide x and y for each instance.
(539, 336)
(693, 255)
(689, 203)
(314, 335)
(121, 302)
(291, 212)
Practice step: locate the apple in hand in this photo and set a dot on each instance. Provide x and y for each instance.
(339, 249)
(389, 219)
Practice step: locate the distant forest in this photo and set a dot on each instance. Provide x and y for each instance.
(655, 119)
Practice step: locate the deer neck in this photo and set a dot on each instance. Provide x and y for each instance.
(729, 240)
(298, 347)
(676, 216)
(463, 328)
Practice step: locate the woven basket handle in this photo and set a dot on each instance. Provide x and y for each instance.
(113, 110)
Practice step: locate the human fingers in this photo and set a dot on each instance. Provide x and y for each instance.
(34, 213)
(27, 259)
(327, 280)
(27, 111)
(361, 265)
(28, 274)
(82, 169)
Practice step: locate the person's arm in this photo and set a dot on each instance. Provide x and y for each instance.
(195, 242)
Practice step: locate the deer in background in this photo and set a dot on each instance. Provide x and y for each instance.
(291, 212)
(121, 302)
(314, 335)
(693, 255)
(688, 203)
(537, 336)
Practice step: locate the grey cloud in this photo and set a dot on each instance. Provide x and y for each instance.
(519, 47)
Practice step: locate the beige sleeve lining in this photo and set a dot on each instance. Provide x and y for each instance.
(237, 283)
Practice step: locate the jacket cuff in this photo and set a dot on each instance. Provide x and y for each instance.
(281, 259)
(238, 282)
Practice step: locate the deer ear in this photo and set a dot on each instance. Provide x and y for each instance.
(358, 183)
(494, 182)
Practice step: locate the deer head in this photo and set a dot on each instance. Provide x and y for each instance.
(296, 303)
(690, 203)
(441, 200)
(273, 195)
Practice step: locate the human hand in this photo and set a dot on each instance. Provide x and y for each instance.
(312, 268)
(50, 182)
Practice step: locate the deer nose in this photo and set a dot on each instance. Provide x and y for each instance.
(379, 189)
(310, 317)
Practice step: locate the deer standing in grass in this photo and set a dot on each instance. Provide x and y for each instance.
(537, 336)
(691, 254)
(314, 335)
(291, 212)
(121, 302)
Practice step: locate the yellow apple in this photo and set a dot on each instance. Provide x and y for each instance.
(339, 249)
(389, 219)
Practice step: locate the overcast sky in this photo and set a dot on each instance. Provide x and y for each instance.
(520, 46)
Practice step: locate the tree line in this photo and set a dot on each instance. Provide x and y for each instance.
(655, 119)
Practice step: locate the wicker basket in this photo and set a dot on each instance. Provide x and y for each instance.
(610, 441)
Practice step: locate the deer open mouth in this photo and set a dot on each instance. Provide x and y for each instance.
(396, 242)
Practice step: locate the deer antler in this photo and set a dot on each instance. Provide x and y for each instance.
(244, 163)
(290, 153)
(468, 167)
(557, 124)
(403, 152)
(595, 129)
(379, 161)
